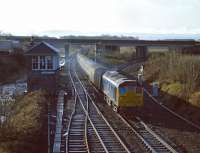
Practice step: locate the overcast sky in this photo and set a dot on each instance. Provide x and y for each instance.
(27, 17)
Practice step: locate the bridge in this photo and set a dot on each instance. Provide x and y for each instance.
(141, 46)
(113, 44)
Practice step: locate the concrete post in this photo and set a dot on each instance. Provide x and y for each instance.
(95, 53)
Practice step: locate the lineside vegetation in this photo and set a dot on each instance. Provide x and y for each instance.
(178, 75)
(25, 130)
(12, 67)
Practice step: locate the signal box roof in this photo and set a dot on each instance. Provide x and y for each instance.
(43, 48)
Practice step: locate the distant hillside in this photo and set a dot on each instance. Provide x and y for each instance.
(67, 35)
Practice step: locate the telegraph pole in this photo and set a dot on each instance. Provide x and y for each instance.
(95, 53)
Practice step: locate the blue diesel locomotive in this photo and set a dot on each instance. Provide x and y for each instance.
(119, 91)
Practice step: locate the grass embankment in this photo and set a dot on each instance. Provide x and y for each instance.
(178, 74)
(179, 80)
(12, 68)
(25, 130)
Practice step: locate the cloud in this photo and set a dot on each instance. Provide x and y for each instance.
(100, 16)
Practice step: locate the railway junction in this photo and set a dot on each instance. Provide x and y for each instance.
(85, 123)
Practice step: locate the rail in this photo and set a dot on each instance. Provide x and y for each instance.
(172, 112)
(155, 138)
(150, 145)
(96, 132)
(78, 146)
(103, 118)
(68, 129)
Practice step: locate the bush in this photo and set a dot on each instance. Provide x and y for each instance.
(195, 98)
(175, 68)
(173, 89)
(24, 131)
(11, 68)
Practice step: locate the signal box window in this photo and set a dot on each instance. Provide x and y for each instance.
(35, 65)
(49, 62)
(42, 62)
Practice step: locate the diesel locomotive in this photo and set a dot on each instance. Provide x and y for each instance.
(119, 91)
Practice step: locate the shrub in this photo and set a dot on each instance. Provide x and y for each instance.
(24, 130)
(172, 67)
(11, 67)
(195, 98)
(174, 89)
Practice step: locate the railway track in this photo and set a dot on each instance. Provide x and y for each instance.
(108, 138)
(95, 145)
(106, 133)
(150, 139)
(172, 112)
(171, 127)
(76, 140)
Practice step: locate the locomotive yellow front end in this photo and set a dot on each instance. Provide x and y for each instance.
(130, 94)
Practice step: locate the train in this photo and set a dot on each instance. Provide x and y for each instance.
(119, 91)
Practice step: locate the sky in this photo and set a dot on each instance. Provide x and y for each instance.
(89, 17)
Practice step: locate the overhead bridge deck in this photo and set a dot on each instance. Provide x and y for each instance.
(136, 42)
(114, 44)
(109, 41)
(121, 42)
